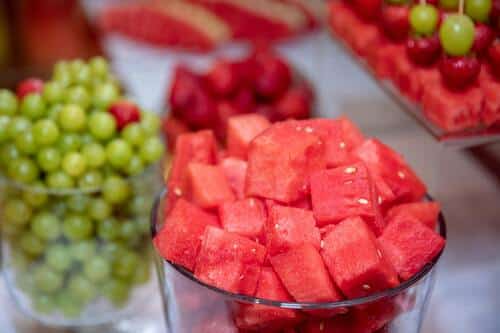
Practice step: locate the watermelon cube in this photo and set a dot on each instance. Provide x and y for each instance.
(209, 186)
(490, 87)
(180, 237)
(425, 212)
(367, 38)
(338, 324)
(385, 195)
(280, 161)
(245, 217)
(236, 172)
(289, 227)
(391, 167)
(376, 315)
(261, 317)
(229, 261)
(384, 59)
(301, 268)
(241, 130)
(339, 14)
(173, 127)
(344, 192)
(405, 78)
(409, 245)
(354, 260)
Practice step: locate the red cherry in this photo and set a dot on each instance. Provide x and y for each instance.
(367, 9)
(125, 112)
(295, 103)
(223, 78)
(483, 37)
(244, 100)
(459, 72)
(201, 112)
(395, 22)
(274, 75)
(185, 84)
(423, 51)
(432, 2)
(494, 57)
(246, 70)
(495, 13)
(29, 86)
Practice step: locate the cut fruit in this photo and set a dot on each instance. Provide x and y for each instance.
(245, 217)
(229, 261)
(209, 187)
(242, 130)
(425, 212)
(173, 128)
(355, 263)
(180, 237)
(374, 316)
(491, 88)
(236, 172)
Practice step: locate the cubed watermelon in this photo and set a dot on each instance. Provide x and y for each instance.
(386, 163)
(280, 161)
(345, 192)
(337, 324)
(374, 316)
(229, 261)
(339, 14)
(261, 317)
(289, 227)
(208, 185)
(180, 237)
(405, 78)
(245, 217)
(491, 89)
(241, 130)
(236, 172)
(301, 268)
(410, 245)
(354, 260)
(385, 195)
(384, 59)
(367, 38)
(425, 212)
(173, 127)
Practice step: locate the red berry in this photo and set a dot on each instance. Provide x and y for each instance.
(423, 51)
(494, 57)
(185, 84)
(395, 22)
(459, 72)
(274, 75)
(483, 37)
(495, 13)
(201, 112)
(368, 9)
(173, 127)
(125, 112)
(244, 100)
(432, 2)
(223, 78)
(295, 103)
(269, 112)
(29, 86)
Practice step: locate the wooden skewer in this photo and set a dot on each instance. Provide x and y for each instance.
(461, 5)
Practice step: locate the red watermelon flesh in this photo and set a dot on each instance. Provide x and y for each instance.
(180, 237)
(338, 324)
(261, 317)
(236, 172)
(229, 261)
(409, 245)
(355, 263)
(344, 192)
(280, 161)
(425, 212)
(217, 324)
(209, 187)
(374, 316)
(366, 39)
(386, 163)
(491, 89)
(405, 77)
(385, 58)
(302, 267)
(245, 217)
(173, 127)
(339, 13)
(242, 130)
(385, 195)
(313, 10)
(289, 227)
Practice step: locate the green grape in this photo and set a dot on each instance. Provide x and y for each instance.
(18, 125)
(72, 118)
(102, 125)
(32, 245)
(81, 288)
(143, 225)
(116, 291)
(36, 196)
(78, 203)
(62, 73)
(78, 95)
(99, 67)
(478, 10)
(23, 170)
(77, 227)
(142, 273)
(26, 283)
(44, 304)
(53, 92)
(108, 229)
(68, 305)
(83, 76)
(135, 166)
(48, 159)
(424, 19)
(457, 34)
(99, 209)
(125, 265)
(69, 142)
(90, 180)
(133, 134)
(129, 232)
(152, 150)
(58, 257)
(118, 153)
(86, 139)
(74, 164)
(59, 180)
(46, 280)
(449, 4)
(97, 269)
(46, 226)
(140, 205)
(45, 132)
(113, 249)
(116, 190)
(83, 250)
(53, 112)
(104, 95)
(150, 123)
(16, 212)
(8, 102)
(9, 153)
(95, 155)
(25, 142)
(58, 207)
(4, 128)
(33, 106)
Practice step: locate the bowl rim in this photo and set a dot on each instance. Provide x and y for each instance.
(388, 293)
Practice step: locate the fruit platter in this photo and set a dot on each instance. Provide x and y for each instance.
(439, 60)
(298, 226)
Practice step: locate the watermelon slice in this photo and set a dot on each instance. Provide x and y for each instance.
(180, 237)
(209, 186)
(236, 172)
(245, 217)
(229, 261)
(261, 317)
(409, 245)
(344, 192)
(242, 130)
(280, 161)
(355, 263)
(386, 163)
(289, 227)
(425, 212)
(490, 87)
(302, 267)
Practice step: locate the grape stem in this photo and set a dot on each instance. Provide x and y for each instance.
(461, 4)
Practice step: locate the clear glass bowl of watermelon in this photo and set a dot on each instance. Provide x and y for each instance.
(196, 307)
(75, 257)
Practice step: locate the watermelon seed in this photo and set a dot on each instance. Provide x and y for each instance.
(379, 199)
(242, 277)
(254, 251)
(309, 129)
(366, 287)
(276, 226)
(401, 175)
(363, 201)
(342, 145)
(379, 253)
(322, 244)
(347, 182)
(350, 170)
(298, 128)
